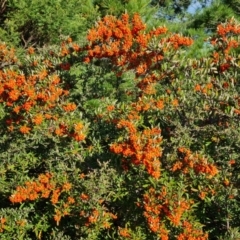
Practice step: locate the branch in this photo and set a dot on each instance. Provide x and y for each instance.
(26, 42)
(3, 6)
(3, 65)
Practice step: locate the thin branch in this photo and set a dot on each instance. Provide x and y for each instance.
(26, 42)
(3, 6)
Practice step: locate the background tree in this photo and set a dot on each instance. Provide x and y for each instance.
(208, 18)
(35, 23)
(32, 23)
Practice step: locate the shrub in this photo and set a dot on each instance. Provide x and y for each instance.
(156, 160)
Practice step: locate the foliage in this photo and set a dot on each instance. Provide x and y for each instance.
(116, 8)
(124, 137)
(209, 17)
(197, 19)
(34, 23)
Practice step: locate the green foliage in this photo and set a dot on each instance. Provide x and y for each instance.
(118, 7)
(201, 23)
(142, 148)
(234, 4)
(209, 17)
(32, 23)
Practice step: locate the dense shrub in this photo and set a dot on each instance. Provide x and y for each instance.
(33, 23)
(151, 151)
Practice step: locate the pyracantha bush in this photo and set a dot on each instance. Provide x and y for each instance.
(152, 155)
